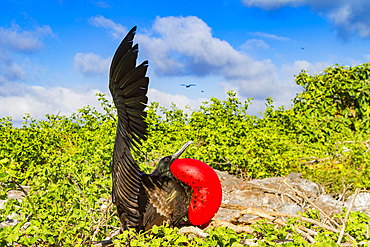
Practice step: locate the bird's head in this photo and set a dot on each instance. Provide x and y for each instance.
(163, 167)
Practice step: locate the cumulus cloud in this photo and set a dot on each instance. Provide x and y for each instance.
(18, 39)
(16, 99)
(290, 88)
(182, 46)
(116, 30)
(186, 46)
(91, 64)
(347, 16)
(299, 65)
(15, 39)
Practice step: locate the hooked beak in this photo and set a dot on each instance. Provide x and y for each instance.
(181, 150)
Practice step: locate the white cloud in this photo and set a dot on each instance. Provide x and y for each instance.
(186, 46)
(16, 99)
(117, 30)
(181, 46)
(15, 39)
(347, 16)
(253, 44)
(269, 36)
(286, 91)
(91, 64)
(18, 39)
(299, 65)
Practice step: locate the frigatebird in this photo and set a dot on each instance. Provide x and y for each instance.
(176, 188)
(187, 85)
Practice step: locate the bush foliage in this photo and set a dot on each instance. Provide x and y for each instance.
(66, 160)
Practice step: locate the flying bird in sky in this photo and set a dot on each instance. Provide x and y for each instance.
(187, 85)
(177, 187)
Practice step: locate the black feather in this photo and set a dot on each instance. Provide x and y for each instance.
(142, 200)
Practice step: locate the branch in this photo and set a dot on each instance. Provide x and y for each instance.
(347, 215)
(269, 215)
(237, 229)
(193, 230)
(271, 190)
(311, 203)
(26, 194)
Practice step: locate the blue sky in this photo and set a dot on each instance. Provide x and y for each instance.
(55, 55)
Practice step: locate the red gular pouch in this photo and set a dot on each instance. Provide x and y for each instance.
(206, 186)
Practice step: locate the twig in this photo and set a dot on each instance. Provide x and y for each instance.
(279, 214)
(308, 220)
(193, 230)
(237, 229)
(100, 222)
(309, 231)
(255, 211)
(306, 235)
(347, 215)
(271, 190)
(63, 226)
(312, 204)
(113, 233)
(79, 189)
(266, 214)
(314, 160)
(367, 233)
(28, 198)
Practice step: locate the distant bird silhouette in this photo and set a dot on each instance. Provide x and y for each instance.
(187, 85)
(176, 188)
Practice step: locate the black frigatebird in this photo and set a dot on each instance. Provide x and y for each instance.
(187, 85)
(177, 187)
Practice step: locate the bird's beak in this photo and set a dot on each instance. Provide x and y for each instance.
(181, 150)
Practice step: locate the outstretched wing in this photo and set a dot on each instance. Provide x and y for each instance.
(128, 86)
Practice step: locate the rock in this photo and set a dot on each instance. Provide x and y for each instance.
(289, 208)
(362, 202)
(329, 205)
(273, 193)
(11, 220)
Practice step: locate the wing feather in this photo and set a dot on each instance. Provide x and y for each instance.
(133, 90)
(128, 86)
(167, 200)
